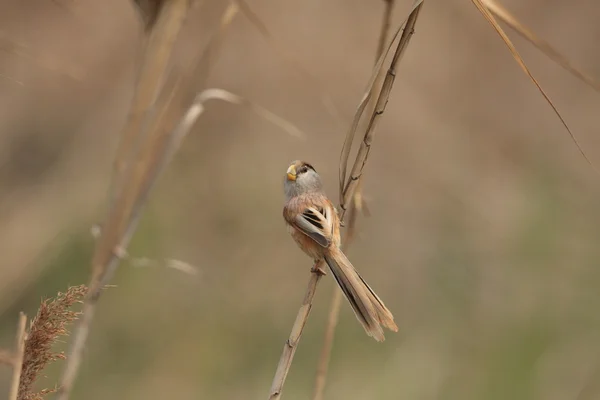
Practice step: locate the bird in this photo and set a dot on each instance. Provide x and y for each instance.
(314, 224)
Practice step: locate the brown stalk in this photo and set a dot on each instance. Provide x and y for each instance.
(159, 144)
(356, 205)
(18, 357)
(291, 344)
(163, 33)
(289, 349)
(168, 137)
(406, 30)
(128, 180)
(160, 150)
(509, 19)
(384, 94)
(517, 57)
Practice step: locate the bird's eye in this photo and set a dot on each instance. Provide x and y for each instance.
(302, 170)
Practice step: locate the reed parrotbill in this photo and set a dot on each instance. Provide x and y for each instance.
(314, 224)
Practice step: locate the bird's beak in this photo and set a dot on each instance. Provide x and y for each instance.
(291, 173)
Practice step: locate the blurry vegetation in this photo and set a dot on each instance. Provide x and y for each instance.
(486, 249)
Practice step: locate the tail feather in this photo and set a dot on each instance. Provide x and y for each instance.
(367, 306)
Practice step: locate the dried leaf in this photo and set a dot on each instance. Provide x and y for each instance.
(513, 50)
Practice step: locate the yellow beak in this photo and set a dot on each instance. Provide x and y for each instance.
(291, 173)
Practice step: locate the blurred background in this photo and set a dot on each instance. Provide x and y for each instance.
(484, 226)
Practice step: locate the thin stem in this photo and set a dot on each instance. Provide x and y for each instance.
(18, 357)
(489, 16)
(347, 184)
(384, 94)
(125, 198)
(505, 16)
(150, 79)
(290, 346)
(356, 206)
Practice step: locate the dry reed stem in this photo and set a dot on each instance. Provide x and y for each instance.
(163, 33)
(356, 205)
(509, 19)
(290, 346)
(365, 146)
(479, 4)
(346, 188)
(160, 128)
(18, 357)
(168, 138)
(170, 141)
(157, 147)
(128, 180)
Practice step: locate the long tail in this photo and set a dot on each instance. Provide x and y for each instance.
(367, 306)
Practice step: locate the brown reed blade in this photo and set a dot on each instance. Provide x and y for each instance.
(500, 12)
(157, 53)
(348, 186)
(517, 57)
(406, 30)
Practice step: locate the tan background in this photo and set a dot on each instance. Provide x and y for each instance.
(483, 238)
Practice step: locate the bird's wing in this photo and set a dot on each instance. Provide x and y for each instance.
(317, 223)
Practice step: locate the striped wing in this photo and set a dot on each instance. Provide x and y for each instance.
(316, 223)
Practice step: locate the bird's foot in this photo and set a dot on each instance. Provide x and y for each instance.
(317, 268)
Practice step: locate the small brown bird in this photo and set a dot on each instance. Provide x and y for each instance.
(313, 222)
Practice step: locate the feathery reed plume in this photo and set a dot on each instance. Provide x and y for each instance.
(49, 324)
